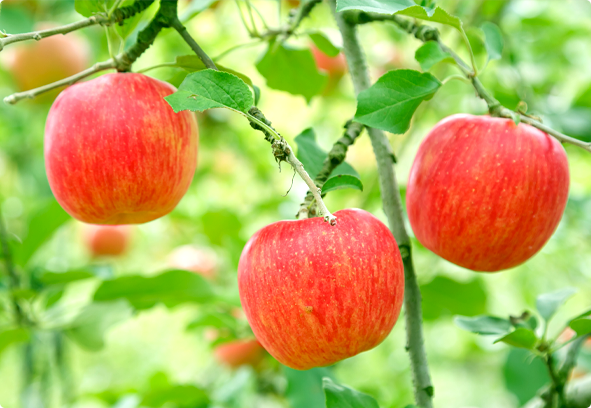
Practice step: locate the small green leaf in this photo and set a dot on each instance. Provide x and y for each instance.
(521, 337)
(437, 15)
(209, 89)
(257, 94)
(340, 396)
(390, 103)
(549, 303)
(213, 319)
(291, 69)
(89, 7)
(304, 388)
(340, 182)
(493, 40)
(194, 8)
(12, 336)
(171, 288)
(376, 6)
(430, 54)
(193, 63)
(324, 44)
(445, 296)
(483, 324)
(524, 374)
(60, 278)
(89, 327)
(312, 156)
(180, 396)
(581, 326)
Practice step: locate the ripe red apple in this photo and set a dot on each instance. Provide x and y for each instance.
(334, 66)
(106, 240)
(486, 194)
(237, 353)
(115, 151)
(315, 294)
(37, 63)
(194, 259)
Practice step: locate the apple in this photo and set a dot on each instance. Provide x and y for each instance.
(315, 294)
(237, 353)
(334, 66)
(106, 240)
(115, 151)
(37, 63)
(194, 259)
(293, 3)
(486, 194)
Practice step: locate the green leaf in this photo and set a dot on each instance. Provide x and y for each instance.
(493, 40)
(179, 396)
(524, 374)
(324, 44)
(549, 303)
(430, 54)
(209, 89)
(171, 288)
(214, 319)
(444, 296)
(13, 336)
(340, 396)
(581, 326)
(390, 103)
(89, 7)
(312, 156)
(41, 227)
(437, 15)
(60, 278)
(194, 8)
(193, 63)
(521, 337)
(304, 388)
(89, 327)
(292, 70)
(377, 6)
(483, 324)
(340, 182)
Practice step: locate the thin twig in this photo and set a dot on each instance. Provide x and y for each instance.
(180, 28)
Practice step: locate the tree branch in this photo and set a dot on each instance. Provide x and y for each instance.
(426, 33)
(303, 11)
(117, 16)
(180, 28)
(335, 157)
(423, 389)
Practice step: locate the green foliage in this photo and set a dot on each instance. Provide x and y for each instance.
(312, 156)
(214, 319)
(341, 182)
(192, 63)
(60, 278)
(444, 296)
(324, 44)
(390, 103)
(88, 8)
(13, 336)
(291, 69)
(340, 396)
(483, 324)
(180, 396)
(549, 303)
(524, 374)
(209, 89)
(430, 54)
(581, 326)
(304, 388)
(493, 40)
(521, 337)
(171, 288)
(376, 6)
(89, 327)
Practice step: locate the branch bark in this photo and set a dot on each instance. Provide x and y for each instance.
(423, 389)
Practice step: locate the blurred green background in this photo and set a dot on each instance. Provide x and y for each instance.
(92, 354)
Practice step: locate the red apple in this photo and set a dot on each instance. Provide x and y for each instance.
(293, 3)
(198, 260)
(334, 66)
(38, 63)
(115, 151)
(486, 194)
(237, 353)
(106, 240)
(315, 294)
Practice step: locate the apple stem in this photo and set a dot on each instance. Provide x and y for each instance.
(116, 16)
(392, 205)
(335, 157)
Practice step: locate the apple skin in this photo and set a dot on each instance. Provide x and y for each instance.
(237, 353)
(194, 259)
(315, 294)
(115, 151)
(485, 193)
(106, 240)
(34, 64)
(334, 66)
